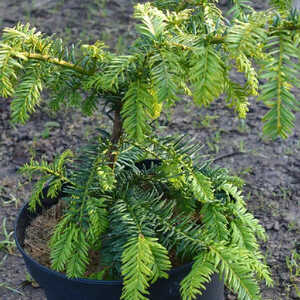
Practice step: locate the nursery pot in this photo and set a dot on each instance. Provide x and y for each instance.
(58, 287)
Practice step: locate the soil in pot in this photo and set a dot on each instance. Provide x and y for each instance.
(38, 235)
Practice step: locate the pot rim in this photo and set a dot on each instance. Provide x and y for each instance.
(63, 276)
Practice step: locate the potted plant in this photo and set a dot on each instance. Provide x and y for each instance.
(146, 202)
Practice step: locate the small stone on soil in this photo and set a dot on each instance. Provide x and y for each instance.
(276, 226)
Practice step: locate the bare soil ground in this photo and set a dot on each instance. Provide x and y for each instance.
(270, 168)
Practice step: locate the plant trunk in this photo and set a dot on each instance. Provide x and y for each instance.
(116, 135)
(117, 127)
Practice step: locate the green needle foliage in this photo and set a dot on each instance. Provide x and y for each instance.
(138, 198)
(190, 48)
(143, 259)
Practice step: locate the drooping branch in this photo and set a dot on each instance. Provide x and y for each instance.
(56, 61)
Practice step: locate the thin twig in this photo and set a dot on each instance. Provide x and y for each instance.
(228, 155)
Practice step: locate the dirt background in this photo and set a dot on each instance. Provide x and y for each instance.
(270, 168)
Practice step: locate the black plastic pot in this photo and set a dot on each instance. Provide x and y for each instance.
(58, 287)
